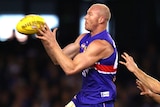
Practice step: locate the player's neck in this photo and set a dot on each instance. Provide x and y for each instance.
(95, 32)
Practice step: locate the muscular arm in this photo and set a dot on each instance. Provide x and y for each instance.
(95, 51)
(70, 50)
(150, 82)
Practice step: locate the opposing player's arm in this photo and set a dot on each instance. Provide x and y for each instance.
(152, 83)
(147, 92)
(156, 97)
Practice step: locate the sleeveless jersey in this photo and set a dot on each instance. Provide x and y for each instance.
(98, 81)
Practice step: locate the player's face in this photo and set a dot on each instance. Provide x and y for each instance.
(91, 19)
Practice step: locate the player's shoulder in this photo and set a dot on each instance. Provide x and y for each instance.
(80, 37)
(100, 44)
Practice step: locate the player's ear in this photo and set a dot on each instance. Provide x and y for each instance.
(101, 20)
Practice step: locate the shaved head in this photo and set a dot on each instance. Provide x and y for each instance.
(97, 18)
(103, 10)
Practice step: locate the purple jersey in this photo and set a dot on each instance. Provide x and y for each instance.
(98, 81)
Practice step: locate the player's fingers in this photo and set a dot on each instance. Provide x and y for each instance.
(121, 62)
(128, 57)
(123, 56)
(139, 88)
(40, 32)
(43, 28)
(54, 31)
(40, 37)
(126, 54)
(46, 26)
(139, 83)
(143, 93)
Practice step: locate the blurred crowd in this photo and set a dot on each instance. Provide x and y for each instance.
(28, 78)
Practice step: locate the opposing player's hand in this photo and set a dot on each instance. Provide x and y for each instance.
(129, 62)
(144, 90)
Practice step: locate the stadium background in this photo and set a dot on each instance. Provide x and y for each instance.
(28, 78)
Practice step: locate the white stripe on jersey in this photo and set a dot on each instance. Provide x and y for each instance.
(104, 72)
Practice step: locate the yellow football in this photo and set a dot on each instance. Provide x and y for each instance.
(28, 24)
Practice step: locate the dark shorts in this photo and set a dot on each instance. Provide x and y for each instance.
(104, 104)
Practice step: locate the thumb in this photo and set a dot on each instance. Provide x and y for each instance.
(54, 30)
(143, 93)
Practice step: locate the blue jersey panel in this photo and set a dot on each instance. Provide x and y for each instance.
(98, 81)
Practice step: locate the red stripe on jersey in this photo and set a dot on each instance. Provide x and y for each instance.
(105, 68)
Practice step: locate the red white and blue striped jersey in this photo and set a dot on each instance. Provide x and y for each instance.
(98, 81)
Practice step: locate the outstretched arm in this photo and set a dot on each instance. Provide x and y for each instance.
(150, 82)
(96, 50)
(147, 92)
(70, 50)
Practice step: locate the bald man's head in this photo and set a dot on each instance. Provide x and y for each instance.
(103, 10)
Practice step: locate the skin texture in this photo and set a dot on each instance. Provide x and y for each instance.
(147, 84)
(69, 58)
(147, 92)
